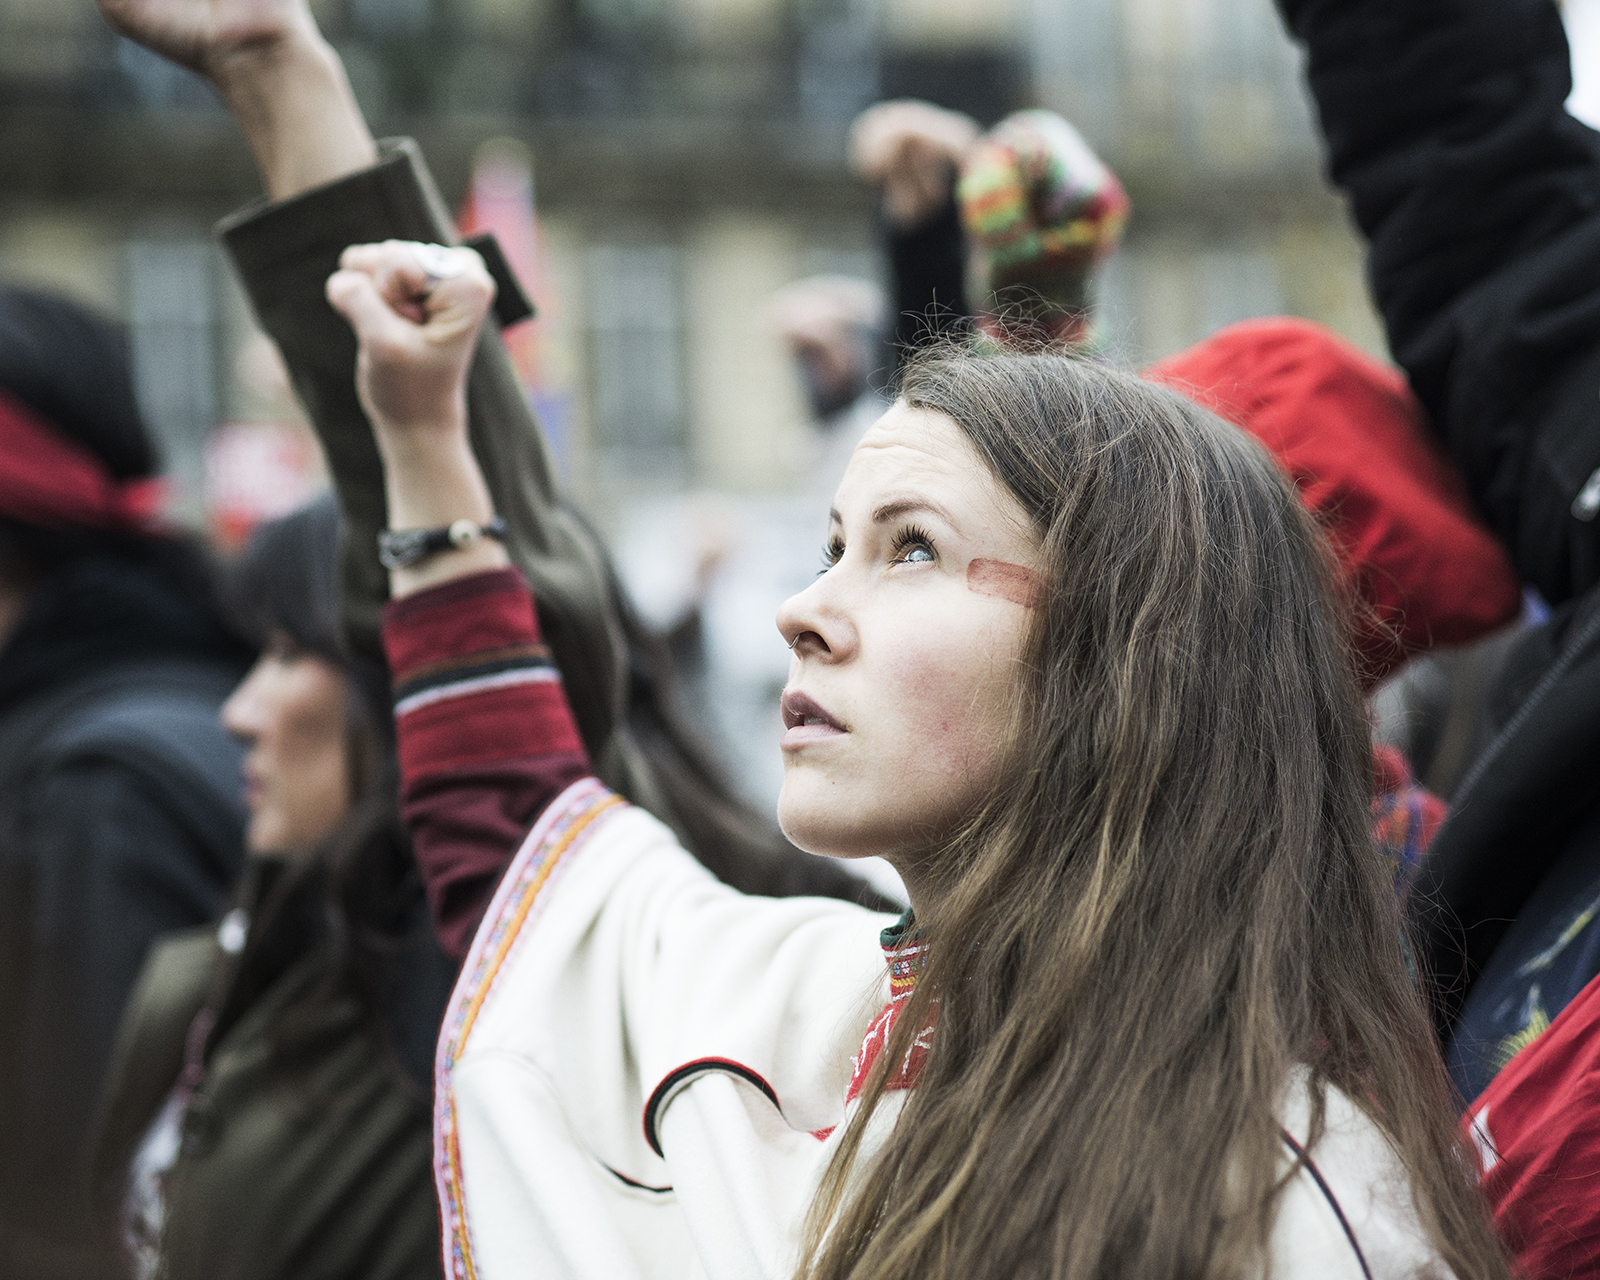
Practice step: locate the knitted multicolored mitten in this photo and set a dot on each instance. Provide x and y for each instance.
(1042, 212)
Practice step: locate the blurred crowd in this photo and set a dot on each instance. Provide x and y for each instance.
(224, 974)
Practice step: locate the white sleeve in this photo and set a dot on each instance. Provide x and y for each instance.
(613, 975)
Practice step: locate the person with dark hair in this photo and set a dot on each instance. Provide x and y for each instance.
(1076, 667)
(119, 811)
(1447, 127)
(268, 1114)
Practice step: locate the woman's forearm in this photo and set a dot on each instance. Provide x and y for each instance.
(281, 80)
(293, 101)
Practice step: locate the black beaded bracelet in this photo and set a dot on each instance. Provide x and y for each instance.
(402, 548)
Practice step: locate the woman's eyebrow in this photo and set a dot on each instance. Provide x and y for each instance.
(897, 507)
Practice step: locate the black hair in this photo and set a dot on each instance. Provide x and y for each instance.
(286, 580)
(359, 896)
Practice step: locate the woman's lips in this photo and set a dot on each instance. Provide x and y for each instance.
(805, 721)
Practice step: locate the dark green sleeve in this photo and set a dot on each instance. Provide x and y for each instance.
(284, 253)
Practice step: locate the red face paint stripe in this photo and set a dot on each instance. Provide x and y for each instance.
(1014, 582)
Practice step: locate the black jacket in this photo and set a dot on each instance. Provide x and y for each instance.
(1480, 196)
(120, 820)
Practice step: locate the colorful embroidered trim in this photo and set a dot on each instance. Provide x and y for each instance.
(906, 964)
(569, 820)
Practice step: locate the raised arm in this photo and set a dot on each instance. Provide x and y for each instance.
(1481, 198)
(281, 80)
(910, 152)
(289, 92)
(486, 738)
(331, 187)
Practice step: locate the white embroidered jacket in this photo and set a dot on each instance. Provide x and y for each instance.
(640, 1070)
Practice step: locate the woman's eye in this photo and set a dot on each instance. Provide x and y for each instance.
(913, 546)
(832, 552)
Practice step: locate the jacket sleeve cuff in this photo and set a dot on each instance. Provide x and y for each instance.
(284, 252)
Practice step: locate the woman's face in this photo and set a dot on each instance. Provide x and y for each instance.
(290, 713)
(906, 648)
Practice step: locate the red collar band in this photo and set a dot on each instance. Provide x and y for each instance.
(51, 482)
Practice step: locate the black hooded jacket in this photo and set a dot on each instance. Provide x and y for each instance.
(120, 820)
(1480, 196)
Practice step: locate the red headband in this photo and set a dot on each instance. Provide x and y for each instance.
(49, 481)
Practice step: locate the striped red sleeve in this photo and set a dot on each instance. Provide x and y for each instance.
(484, 733)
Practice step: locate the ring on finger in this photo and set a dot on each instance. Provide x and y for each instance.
(437, 262)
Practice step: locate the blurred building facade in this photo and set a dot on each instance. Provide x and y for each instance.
(689, 159)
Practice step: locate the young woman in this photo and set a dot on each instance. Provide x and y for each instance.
(1073, 666)
(270, 1105)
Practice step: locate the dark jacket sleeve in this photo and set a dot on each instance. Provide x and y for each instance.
(1520, 807)
(113, 865)
(284, 253)
(1480, 196)
(927, 269)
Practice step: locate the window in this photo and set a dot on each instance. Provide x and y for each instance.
(171, 315)
(634, 304)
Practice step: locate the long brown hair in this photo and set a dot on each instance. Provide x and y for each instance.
(1174, 899)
